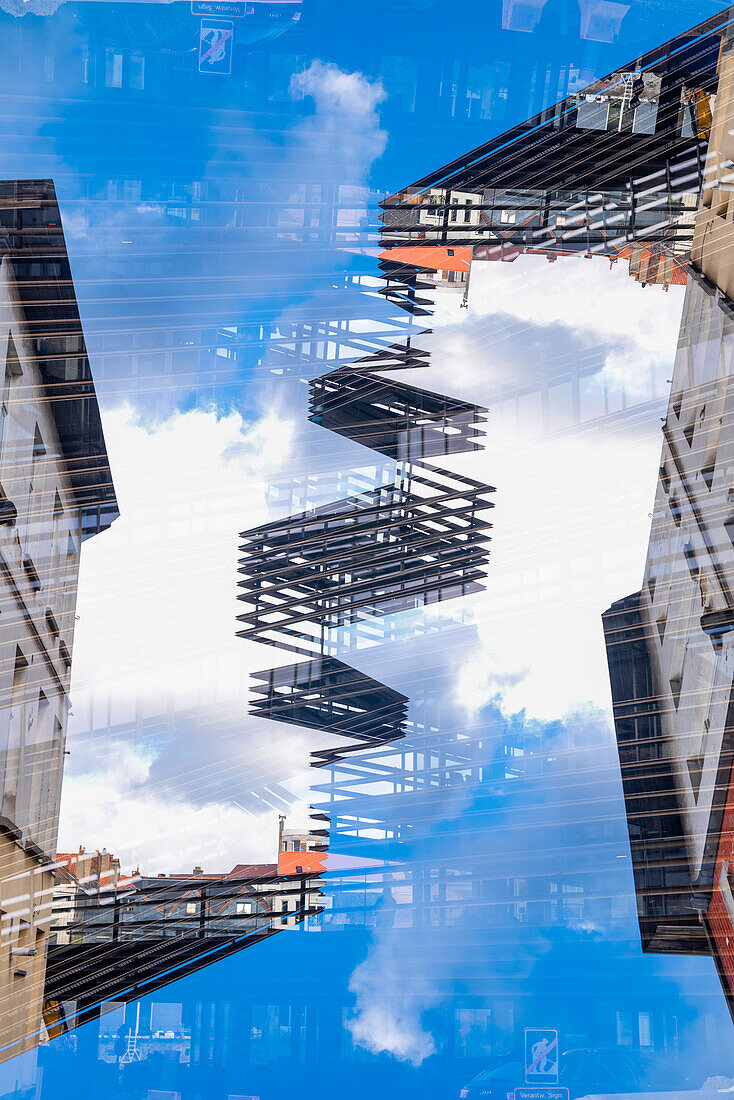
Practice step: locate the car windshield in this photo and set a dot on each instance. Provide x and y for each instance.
(617, 1071)
(505, 1071)
(653, 1073)
(578, 1069)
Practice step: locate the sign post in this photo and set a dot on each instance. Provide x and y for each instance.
(541, 1066)
(228, 9)
(550, 1092)
(215, 46)
(541, 1056)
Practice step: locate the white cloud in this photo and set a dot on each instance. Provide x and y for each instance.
(343, 137)
(157, 592)
(156, 658)
(571, 517)
(159, 834)
(571, 525)
(388, 1009)
(595, 303)
(156, 648)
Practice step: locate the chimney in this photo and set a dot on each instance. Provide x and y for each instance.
(197, 870)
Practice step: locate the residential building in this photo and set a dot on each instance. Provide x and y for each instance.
(55, 491)
(617, 162)
(98, 869)
(112, 941)
(670, 646)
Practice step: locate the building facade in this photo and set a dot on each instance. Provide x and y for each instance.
(114, 939)
(670, 645)
(56, 491)
(614, 169)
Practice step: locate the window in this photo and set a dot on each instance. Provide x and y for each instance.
(59, 537)
(4, 406)
(37, 453)
(113, 69)
(624, 1029)
(39, 449)
(137, 71)
(72, 538)
(87, 66)
(191, 908)
(131, 190)
(52, 625)
(592, 114)
(16, 737)
(645, 1029)
(31, 573)
(41, 737)
(243, 908)
(280, 74)
(645, 117)
(12, 370)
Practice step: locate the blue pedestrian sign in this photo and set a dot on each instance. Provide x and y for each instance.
(215, 46)
(541, 1056)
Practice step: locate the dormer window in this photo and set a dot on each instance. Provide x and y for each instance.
(31, 573)
(12, 370)
(39, 450)
(51, 624)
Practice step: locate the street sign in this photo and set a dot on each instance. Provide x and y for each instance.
(215, 46)
(541, 1056)
(527, 1092)
(228, 9)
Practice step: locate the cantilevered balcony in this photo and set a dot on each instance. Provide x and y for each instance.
(325, 694)
(397, 420)
(416, 542)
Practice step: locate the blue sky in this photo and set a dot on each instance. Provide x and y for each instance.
(257, 134)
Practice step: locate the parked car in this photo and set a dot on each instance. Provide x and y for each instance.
(584, 1072)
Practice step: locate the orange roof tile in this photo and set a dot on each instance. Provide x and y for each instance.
(437, 257)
